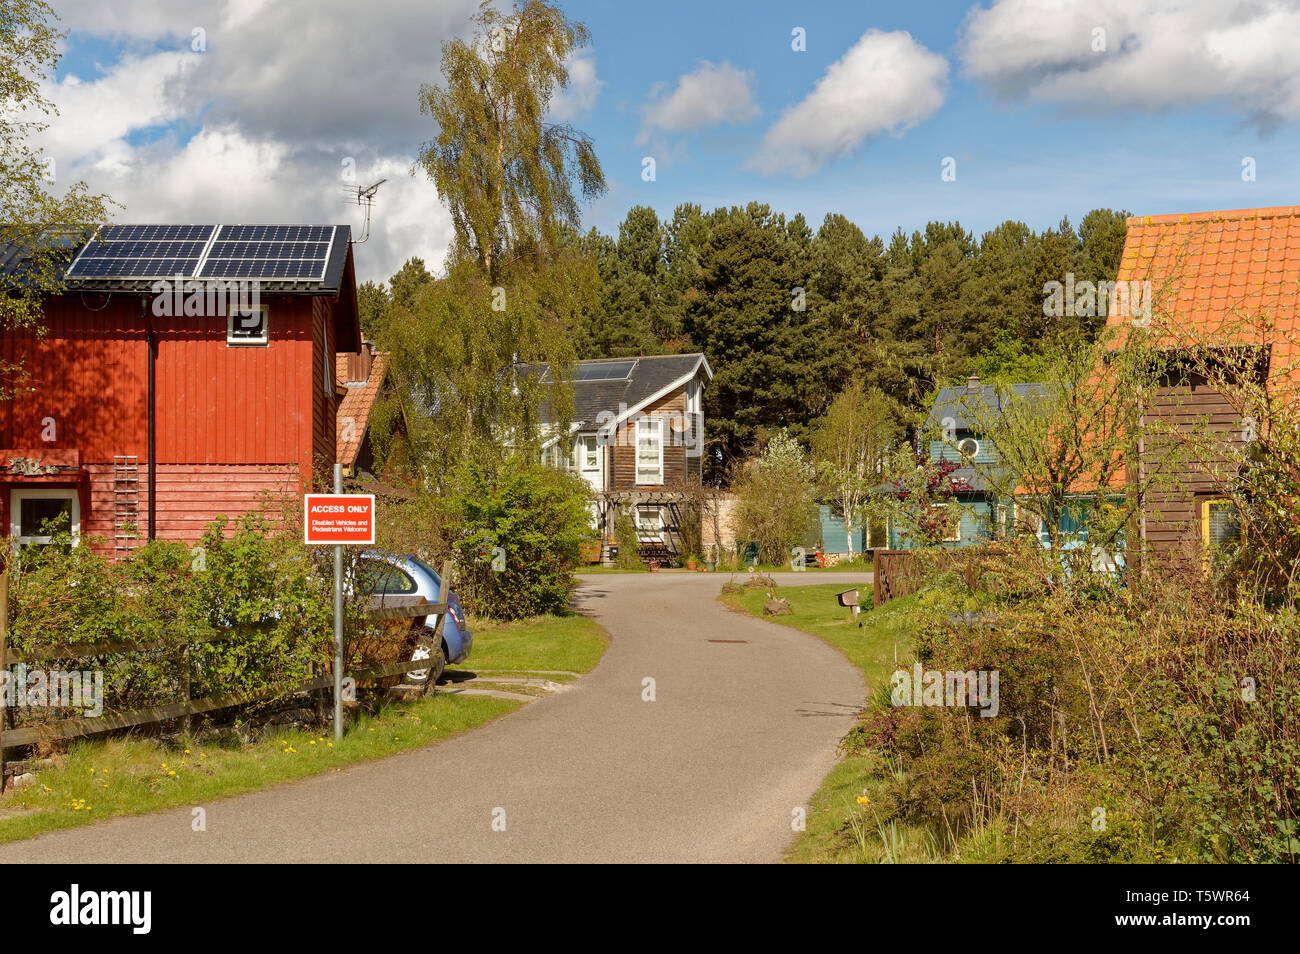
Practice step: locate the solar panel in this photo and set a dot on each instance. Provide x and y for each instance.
(142, 251)
(270, 252)
(273, 253)
(605, 371)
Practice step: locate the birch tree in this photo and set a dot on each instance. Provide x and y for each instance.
(850, 444)
(38, 225)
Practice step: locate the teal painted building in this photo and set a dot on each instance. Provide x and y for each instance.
(952, 437)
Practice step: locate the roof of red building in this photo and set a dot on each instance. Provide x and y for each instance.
(356, 406)
(1216, 274)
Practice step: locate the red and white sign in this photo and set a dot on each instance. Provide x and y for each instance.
(339, 518)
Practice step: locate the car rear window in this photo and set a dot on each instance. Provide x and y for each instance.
(378, 577)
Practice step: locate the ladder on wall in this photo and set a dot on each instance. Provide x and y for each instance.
(126, 504)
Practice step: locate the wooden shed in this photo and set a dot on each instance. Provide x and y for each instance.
(1210, 272)
(185, 370)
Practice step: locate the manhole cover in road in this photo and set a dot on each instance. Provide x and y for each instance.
(728, 640)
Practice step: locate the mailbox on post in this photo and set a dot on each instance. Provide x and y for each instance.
(849, 598)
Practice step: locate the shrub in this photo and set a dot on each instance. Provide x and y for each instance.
(539, 517)
(629, 555)
(776, 493)
(252, 600)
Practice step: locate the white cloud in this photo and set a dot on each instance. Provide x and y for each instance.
(579, 97)
(285, 91)
(1158, 54)
(885, 83)
(707, 96)
(96, 115)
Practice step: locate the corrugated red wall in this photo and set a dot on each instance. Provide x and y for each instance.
(231, 421)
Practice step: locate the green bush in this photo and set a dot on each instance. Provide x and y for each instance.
(538, 516)
(629, 554)
(253, 602)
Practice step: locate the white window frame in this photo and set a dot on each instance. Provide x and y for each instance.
(658, 426)
(650, 519)
(234, 341)
(694, 409)
(555, 456)
(973, 454)
(584, 446)
(19, 494)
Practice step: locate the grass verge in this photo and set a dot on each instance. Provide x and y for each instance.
(94, 780)
(571, 643)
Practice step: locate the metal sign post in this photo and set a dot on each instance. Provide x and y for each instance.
(339, 519)
(338, 620)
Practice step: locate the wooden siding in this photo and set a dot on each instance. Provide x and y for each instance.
(671, 407)
(323, 404)
(1171, 514)
(214, 403)
(87, 373)
(244, 404)
(231, 421)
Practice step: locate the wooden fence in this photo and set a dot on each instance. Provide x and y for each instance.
(897, 574)
(378, 608)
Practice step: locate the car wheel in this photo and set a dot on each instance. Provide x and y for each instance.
(427, 647)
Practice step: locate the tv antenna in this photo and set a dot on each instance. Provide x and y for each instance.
(365, 196)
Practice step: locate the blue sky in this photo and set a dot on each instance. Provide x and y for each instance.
(1047, 108)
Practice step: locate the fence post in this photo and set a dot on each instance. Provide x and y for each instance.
(4, 666)
(187, 723)
(877, 576)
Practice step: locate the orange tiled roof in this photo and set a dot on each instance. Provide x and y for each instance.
(1212, 272)
(356, 404)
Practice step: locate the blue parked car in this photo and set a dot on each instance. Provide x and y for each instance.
(405, 575)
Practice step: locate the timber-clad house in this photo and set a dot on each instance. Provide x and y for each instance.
(1214, 270)
(637, 438)
(147, 413)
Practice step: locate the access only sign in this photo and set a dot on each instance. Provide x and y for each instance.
(339, 519)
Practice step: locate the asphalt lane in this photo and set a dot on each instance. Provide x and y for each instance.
(706, 762)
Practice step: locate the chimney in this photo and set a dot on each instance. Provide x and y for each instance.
(973, 382)
(358, 365)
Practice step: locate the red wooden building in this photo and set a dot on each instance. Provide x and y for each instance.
(186, 370)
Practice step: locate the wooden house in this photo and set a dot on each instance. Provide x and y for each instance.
(637, 438)
(1209, 273)
(952, 435)
(185, 371)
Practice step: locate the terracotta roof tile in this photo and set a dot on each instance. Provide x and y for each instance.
(1220, 268)
(355, 408)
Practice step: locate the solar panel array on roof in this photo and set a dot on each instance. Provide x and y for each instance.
(142, 251)
(284, 253)
(604, 371)
(272, 252)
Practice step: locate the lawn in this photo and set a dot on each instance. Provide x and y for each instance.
(840, 828)
(95, 779)
(568, 643)
(871, 646)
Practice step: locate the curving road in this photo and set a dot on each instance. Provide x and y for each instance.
(743, 727)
